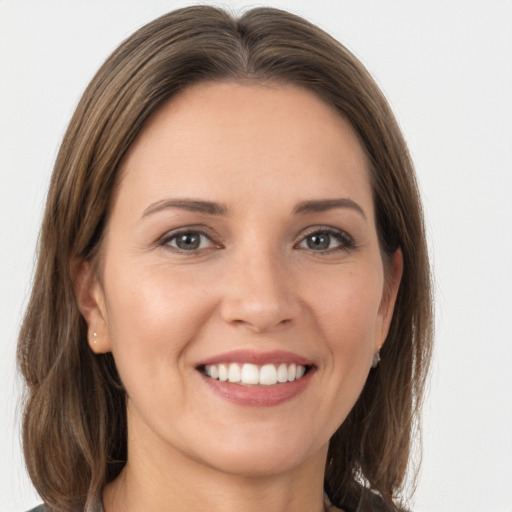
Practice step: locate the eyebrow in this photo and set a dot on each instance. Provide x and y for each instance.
(213, 208)
(322, 205)
(194, 205)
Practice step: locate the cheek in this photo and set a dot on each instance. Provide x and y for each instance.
(347, 318)
(153, 314)
(347, 305)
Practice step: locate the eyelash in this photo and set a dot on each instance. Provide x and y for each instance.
(169, 237)
(346, 242)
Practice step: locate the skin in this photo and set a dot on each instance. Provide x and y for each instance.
(254, 283)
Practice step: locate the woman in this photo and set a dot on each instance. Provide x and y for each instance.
(231, 309)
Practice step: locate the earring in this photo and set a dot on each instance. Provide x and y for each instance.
(376, 359)
(94, 337)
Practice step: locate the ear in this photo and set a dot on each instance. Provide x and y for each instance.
(393, 277)
(91, 303)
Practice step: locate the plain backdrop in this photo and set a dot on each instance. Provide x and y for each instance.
(446, 68)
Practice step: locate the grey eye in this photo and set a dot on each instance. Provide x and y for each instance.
(318, 241)
(327, 241)
(188, 241)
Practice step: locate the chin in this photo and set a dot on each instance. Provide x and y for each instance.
(254, 464)
(251, 455)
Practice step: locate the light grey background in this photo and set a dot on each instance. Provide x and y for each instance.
(446, 67)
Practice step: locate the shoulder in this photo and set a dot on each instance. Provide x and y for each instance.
(40, 508)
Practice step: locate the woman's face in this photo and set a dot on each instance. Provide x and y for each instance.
(242, 245)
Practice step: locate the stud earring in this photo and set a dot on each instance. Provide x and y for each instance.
(94, 337)
(376, 359)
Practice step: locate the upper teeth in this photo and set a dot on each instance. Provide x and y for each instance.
(247, 373)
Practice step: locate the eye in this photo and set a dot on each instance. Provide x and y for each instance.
(327, 240)
(187, 241)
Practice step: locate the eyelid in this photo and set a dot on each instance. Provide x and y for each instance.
(346, 241)
(346, 244)
(164, 240)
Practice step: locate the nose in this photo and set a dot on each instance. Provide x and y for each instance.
(259, 294)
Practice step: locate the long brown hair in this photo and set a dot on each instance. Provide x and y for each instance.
(74, 425)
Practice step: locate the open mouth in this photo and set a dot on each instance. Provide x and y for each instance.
(253, 374)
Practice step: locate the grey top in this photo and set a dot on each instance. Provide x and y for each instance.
(369, 502)
(329, 507)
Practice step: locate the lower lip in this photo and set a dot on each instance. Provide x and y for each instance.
(258, 396)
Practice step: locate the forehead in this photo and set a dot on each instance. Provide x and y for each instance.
(269, 139)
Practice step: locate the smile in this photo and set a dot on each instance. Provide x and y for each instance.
(257, 379)
(252, 374)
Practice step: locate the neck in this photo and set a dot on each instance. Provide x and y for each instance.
(229, 494)
(166, 479)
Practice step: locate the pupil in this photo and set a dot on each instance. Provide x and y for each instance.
(319, 241)
(188, 241)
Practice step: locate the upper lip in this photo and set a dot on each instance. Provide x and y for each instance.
(257, 358)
